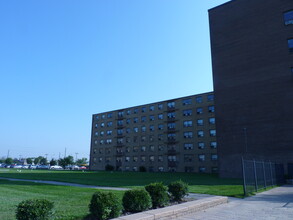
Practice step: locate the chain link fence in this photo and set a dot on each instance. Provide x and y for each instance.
(259, 175)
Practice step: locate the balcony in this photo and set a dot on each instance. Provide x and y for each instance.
(172, 152)
(172, 163)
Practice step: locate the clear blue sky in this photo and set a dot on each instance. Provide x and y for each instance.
(64, 60)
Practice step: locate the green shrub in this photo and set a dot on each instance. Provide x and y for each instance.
(142, 169)
(34, 209)
(136, 200)
(158, 193)
(178, 190)
(105, 205)
(109, 167)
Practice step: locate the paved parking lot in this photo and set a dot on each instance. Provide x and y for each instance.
(270, 205)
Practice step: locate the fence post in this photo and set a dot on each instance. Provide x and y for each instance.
(243, 174)
(255, 175)
(271, 173)
(264, 174)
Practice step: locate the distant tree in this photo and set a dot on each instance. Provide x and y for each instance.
(36, 160)
(43, 161)
(2, 160)
(53, 162)
(16, 160)
(29, 160)
(66, 161)
(81, 161)
(9, 161)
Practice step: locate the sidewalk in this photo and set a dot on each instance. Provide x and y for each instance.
(274, 204)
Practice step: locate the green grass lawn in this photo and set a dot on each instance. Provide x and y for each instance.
(71, 203)
(198, 183)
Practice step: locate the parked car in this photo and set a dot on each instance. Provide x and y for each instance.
(17, 166)
(43, 167)
(56, 167)
(82, 168)
(32, 167)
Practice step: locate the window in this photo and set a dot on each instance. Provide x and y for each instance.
(288, 17)
(171, 104)
(102, 125)
(212, 108)
(96, 125)
(188, 146)
(142, 158)
(214, 157)
(120, 140)
(101, 141)
(143, 118)
(199, 111)
(210, 97)
(143, 148)
(109, 124)
(152, 158)
(135, 149)
(200, 134)
(109, 132)
(152, 128)
(102, 133)
(171, 158)
(128, 130)
(135, 120)
(161, 169)
(120, 114)
(143, 109)
(103, 116)
(128, 112)
(97, 117)
(187, 123)
(127, 159)
(160, 106)
(134, 168)
(187, 112)
(171, 115)
(143, 129)
(212, 121)
(171, 126)
(160, 158)
(160, 137)
(120, 131)
(152, 108)
(187, 157)
(128, 121)
(135, 129)
(213, 144)
(161, 147)
(201, 157)
(143, 138)
(109, 115)
(198, 99)
(120, 122)
(202, 169)
(134, 159)
(152, 148)
(152, 117)
(160, 116)
(186, 101)
(200, 145)
(290, 45)
(188, 134)
(160, 126)
(213, 133)
(135, 111)
(199, 122)
(96, 133)
(171, 136)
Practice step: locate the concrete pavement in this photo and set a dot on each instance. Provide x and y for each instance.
(274, 204)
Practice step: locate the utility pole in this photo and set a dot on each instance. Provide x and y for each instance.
(65, 153)
(8, 153)
(76, 157)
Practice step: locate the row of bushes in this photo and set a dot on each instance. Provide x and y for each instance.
(106, 205)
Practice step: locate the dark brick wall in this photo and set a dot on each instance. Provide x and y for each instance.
(253, 82)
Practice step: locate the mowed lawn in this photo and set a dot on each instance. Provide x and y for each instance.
(198, 183)
(71, 203)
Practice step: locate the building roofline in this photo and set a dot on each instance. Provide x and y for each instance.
(134, 106)
(222, 5)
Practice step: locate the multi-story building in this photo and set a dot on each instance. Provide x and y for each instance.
(176, 135)
(252, 58)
